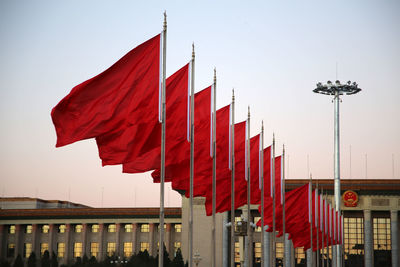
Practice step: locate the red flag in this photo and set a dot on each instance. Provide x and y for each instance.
(255, 150)
(122, 94)
(142, 152)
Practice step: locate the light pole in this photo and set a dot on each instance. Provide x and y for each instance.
(337, 89)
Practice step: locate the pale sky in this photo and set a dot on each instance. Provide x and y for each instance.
(272, 53)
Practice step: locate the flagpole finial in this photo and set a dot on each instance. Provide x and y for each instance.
(248, 112)
(165, 20)
(283, 148)
(193, 54)
(262, 126)
(273, 138)
(215, 75)
(233, 94)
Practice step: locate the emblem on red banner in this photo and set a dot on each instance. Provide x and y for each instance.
(350, 198)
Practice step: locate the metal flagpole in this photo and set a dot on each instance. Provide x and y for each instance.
(233, 180)
(316, 221)
(162, 178)
(249, 241)
(214, 177)
(191, 161)
(322, 228)
(310, 219)
(273, 258)
(261, 173)
(329, 231)
(283, 190)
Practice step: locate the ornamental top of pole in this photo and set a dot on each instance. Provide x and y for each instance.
(215, 75)
(165, 20)
(330, 88)
(248, 112)
(233, 94)
(193, 54)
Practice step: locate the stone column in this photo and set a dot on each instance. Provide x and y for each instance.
(18, 240)
(267, 248)
(135, 245)
(225, 241)
(309, 256)
(152, 243)
(51, 239)
(394, 231)
(118, 244)
(2, 241)
(168, 240)
(84, 240)
(101, 242)
(68, 246)
(368, 240)
(35, 248)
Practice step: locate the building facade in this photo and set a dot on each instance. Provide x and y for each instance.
(371, 229)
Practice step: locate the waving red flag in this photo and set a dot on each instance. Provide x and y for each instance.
(254, 170)
(124, 94)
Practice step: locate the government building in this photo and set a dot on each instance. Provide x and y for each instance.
(371, 230)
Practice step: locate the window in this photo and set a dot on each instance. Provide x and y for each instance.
(178, 228)
(177, 245)
(10, 250)
(28, 229)
(60, 250)
(11, 229)
(112, 228)
(62, 228)
(128, 249)
(258, 228)
(353, 230)
(257, 252)
(77, 249)
(300, 256)
(237, 250)
(128, 228)
(27, 249)
(382, 239)
(94, 249)
(144, 246)
(78, 228)
(279, 250)
(43, 248)
(95, 228)
(145, 228)
(111, 248)
(45, 228)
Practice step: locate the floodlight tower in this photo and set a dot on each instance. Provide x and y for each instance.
(337, 89)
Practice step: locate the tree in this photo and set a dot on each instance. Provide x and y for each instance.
(54, 260)
(45, 261)
(166, 259)
(18, 262)
(32, 260)
(178, 259)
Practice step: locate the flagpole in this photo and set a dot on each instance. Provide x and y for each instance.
(317, 222)
(323, 230)
(233, 180)
(162, 178)
(262, 193)
(249, 243)
(214, 177)
(283, 190)
(273, 202)
(328, 235)
(311, 221)
(191, 161)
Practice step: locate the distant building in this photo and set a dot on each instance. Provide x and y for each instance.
(371, 229)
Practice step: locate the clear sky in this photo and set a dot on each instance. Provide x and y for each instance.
(272, 52)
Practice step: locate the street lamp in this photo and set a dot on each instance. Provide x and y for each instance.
(337, 89)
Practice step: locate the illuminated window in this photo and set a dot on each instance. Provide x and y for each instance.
(60, 250)
(45, 228)
(145, 228)
(237, 250)
(279, 250)
(28, 229)
(43, 248)
(112, 228)
(95, 228)
(94, 249)
(128, 228)
(128, 249)
(237, 219)
(11, 229)
(382, 239)
(257, 251)
(177, 245)
(353, 230)
(62, 228)
(165, 226)
(10, 250)
(77, 249)
(178, 228)
(300, 256)
(111, 248)
(27, 249)
(144, 246)
(258, 228)
(78, 228)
